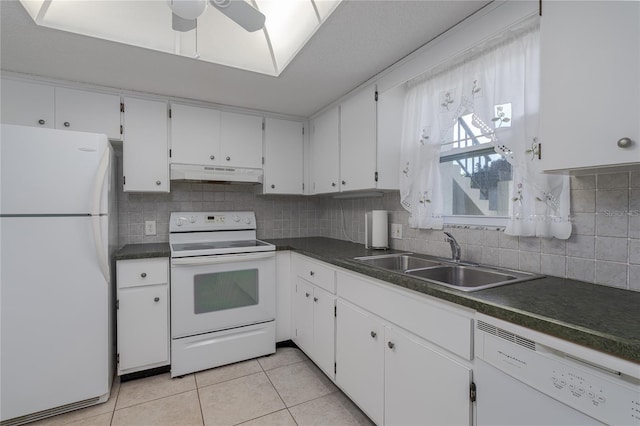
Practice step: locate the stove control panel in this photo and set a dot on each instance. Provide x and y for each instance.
(211, 221)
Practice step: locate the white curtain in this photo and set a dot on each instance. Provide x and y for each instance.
(499, 84)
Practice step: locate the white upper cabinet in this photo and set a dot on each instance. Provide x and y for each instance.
(283, 156)
(389, 124)
(206, 136)
(88, 112)
(358, 141)
(325, 152)
(590, 84)
(195, 135)
(240, 140)
(39, 105)
(145, 148)
(27, 104)
(344, 147)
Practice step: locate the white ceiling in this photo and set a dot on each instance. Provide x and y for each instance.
(360, 39)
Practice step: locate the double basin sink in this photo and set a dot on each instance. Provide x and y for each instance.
(461, 276)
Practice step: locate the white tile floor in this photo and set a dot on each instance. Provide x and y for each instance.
(282, 389)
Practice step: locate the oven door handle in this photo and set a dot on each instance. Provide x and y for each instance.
(231, 258)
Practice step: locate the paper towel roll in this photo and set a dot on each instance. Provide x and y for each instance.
(379, 229)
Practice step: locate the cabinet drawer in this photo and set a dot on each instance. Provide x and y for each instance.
(315, 273)
(447, 326)
(138, 272)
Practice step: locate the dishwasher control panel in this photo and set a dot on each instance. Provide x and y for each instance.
(605, 395)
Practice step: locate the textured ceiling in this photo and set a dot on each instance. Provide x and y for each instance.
(360, 39)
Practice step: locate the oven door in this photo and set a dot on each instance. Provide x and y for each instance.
(212, 293)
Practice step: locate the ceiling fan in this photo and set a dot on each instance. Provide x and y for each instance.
(186, 12)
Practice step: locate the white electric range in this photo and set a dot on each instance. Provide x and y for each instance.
(222, 290)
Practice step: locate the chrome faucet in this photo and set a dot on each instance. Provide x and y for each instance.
(455, 247)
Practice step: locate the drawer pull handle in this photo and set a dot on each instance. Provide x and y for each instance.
(374, 334)
(315, 299)
(143, 275)
(312, 273)
(391, 345)
(307, 294)
(212, 157)
(156, 299)
(67, 124)
(41, 122)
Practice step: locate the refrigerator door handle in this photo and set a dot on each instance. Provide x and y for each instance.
(101, 176)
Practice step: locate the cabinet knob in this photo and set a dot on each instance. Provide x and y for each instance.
(312, 273)
(344, 183)
(143, 275)
(625, 143)
(315, 299)
(333, 184)
(374, 334)
(273, 186)
(156, 299)
(228, 158)
(391, 345)
(158, 182)
(307, 294)
(212, 157)
(67, 124)
(41, 122)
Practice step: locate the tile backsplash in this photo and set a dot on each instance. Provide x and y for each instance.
(277, 216)
(604, 247)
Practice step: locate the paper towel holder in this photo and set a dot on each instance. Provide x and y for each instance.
(376, 230)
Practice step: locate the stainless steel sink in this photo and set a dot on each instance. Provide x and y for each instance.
(470, 278)
(463, 277)
(398, 262)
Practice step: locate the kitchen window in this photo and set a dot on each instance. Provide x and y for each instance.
(469, 143)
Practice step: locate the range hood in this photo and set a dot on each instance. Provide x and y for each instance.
(216, 173)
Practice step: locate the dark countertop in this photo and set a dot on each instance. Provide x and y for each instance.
(600, 317)
(143, 251)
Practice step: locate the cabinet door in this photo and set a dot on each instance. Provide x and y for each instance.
(423, 386)
(195, 135)
(325, 162)
(590, 83)
(145, 148)
(389, 131)
(283, 157)
(324, 330)
(27, 104)
(240, 140)
(358, 141)
(303, 315)
(143, 327)
(88, 112)
(360, 358)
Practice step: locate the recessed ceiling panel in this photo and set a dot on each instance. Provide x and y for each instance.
(289, 24)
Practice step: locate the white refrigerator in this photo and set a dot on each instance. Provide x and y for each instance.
(56, 232)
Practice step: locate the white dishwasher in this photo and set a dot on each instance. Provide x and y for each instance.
(524, 377)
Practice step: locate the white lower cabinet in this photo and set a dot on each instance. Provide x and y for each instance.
(402, 357)
(360, 358)
(397, 378)
(423, 386)
(314, 324)
(142, 314)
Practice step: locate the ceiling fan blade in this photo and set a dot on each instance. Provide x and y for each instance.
(241, 12)
(181, 24)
